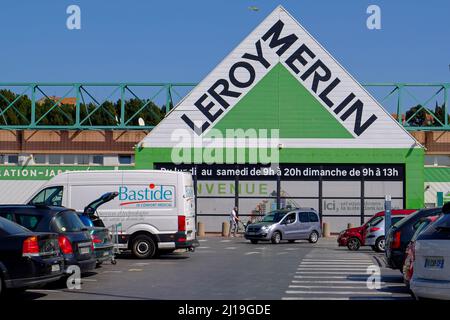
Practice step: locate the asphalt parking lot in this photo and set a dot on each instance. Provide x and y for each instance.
(223, 268)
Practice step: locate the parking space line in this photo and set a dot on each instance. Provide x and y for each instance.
(332, 269)
(225, 240)
(249, 253)
(135, 270)
(325, 272)
(338, 292)
(203, 247)
(230, 248)
(323, 287)
(330, 277)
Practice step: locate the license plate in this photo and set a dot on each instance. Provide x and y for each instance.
(105, 253)
(251, 233)
(56, 268)
(85, 251)
(434, 263)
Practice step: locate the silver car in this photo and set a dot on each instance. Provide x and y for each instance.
(291, 225)
(375, 233)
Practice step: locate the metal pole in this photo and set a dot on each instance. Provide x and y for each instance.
(387, 213)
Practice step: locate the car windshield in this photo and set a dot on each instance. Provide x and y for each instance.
(413, 216)
(11, 228)
(68, 221)
(419, 227)
(274, 216)
(440, 229)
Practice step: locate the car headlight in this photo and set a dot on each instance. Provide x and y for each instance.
(265, 228)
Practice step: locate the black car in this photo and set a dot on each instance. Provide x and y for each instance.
(400, 234)
(27, 258)
(73, 236)
(101, 236)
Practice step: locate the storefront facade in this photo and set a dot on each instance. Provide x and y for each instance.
(279, 122)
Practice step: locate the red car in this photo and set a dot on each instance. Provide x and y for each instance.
(353, 238)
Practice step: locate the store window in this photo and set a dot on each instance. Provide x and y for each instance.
(54, 159)
(69, 159)
(97, 160)
(125, 160)
(13, 159)
(40, 158)
(83, 159)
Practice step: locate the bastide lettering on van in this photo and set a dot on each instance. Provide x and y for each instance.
(159, 195)
(221, 93)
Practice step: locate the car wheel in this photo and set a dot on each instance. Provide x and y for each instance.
(143, 247)
(276, 237)
(313, 237)
(353, 244)
(380, 244)
(254, 241)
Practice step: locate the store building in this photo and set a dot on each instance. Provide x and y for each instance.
(308, 134)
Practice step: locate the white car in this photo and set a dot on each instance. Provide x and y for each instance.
(431, 265)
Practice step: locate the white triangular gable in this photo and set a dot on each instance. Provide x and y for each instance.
(281, 39)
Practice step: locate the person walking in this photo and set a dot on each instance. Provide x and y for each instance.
(234, 219)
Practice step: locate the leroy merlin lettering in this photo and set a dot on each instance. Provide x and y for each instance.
(151, 196)
(303, 56)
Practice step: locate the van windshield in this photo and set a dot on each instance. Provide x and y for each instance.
(274, 216)
(51, 196)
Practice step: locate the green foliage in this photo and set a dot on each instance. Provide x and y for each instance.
(420, 118)
(65, 115)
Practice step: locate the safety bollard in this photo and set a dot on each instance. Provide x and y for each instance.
(225, 229)
(350, 225)
(326, 230)
(201, 229)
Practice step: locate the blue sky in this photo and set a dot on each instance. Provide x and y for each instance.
(159, 41)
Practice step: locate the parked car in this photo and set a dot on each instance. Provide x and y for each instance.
(156, 209)
(419, 226)
(73, 236)
(400, 235)
(286, 224)
(101, 236)
(353, 238)
(374, 234)
(431, 264)
(27, 258)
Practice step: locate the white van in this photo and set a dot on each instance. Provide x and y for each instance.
(154, 211)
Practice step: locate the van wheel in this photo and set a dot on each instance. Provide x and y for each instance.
(313, 237)
(353, 244)
(143, 247)
(254, 241)
(380, 244)
(276, 237)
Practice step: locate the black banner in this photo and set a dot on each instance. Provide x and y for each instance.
(311, 172)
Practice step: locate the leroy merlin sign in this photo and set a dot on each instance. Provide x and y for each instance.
(279, 78)
(303, 62)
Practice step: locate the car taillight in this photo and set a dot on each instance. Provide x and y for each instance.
(181, 223)
(65, 245)
(374, 229)
(412, 255)
(30, 247)
(395, 244)
(96, 239)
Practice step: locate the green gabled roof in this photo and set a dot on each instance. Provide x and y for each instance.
(280, 101)
(433, 174)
